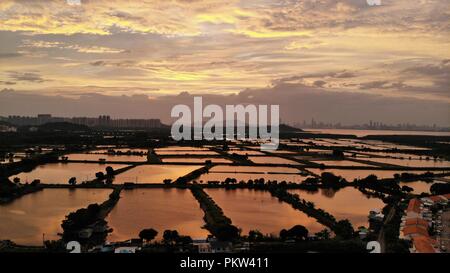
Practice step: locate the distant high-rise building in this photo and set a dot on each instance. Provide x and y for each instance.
(101, 121)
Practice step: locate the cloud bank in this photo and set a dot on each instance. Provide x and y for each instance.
(297, 103)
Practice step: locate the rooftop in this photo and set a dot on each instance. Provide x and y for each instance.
(414, 231)
(414, 206)
(423, 244)
(416, 222)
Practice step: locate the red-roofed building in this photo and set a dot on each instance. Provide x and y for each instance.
(415, 225)
(413, 209)
(437, 198)
(416, 222)
(414, 231)
(423, 244)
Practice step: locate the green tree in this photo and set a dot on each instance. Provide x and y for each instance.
(185, 240)
(73, 181)
(284, 234)
(255, 236)
(148, 234)
(109, 171)
(167, 181)
(344, 229)
(440, 188)
(330, 180)
(35, 182)
(323, 234)
(227, 232)
(100, 175)
(298, 232)
(407, 189)
(170, 236)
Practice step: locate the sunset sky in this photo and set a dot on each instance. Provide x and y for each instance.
(322, 50)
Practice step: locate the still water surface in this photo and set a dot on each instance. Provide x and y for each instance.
(60, 173)
(361, 133)
(350, 175)
(154, 173)
(25, 220)
(159, 209)
(108, 158)
(347, 203)
(251, 209)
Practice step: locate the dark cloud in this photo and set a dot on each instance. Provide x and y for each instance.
(122, 63)
(97, 63)
(322, 75)
(395, 85)
(374, 85)
(7, 83)
(9, 55)
(26, 76)
(287, 80)
(345, 75)
(437, 74)
(297, 102)
(127, 16)
(442, 69)
(319, 83)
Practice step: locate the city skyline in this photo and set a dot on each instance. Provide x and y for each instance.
(155, 122)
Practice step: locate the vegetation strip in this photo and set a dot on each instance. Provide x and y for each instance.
(88, 225)
(216, 222)
(342, 228)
